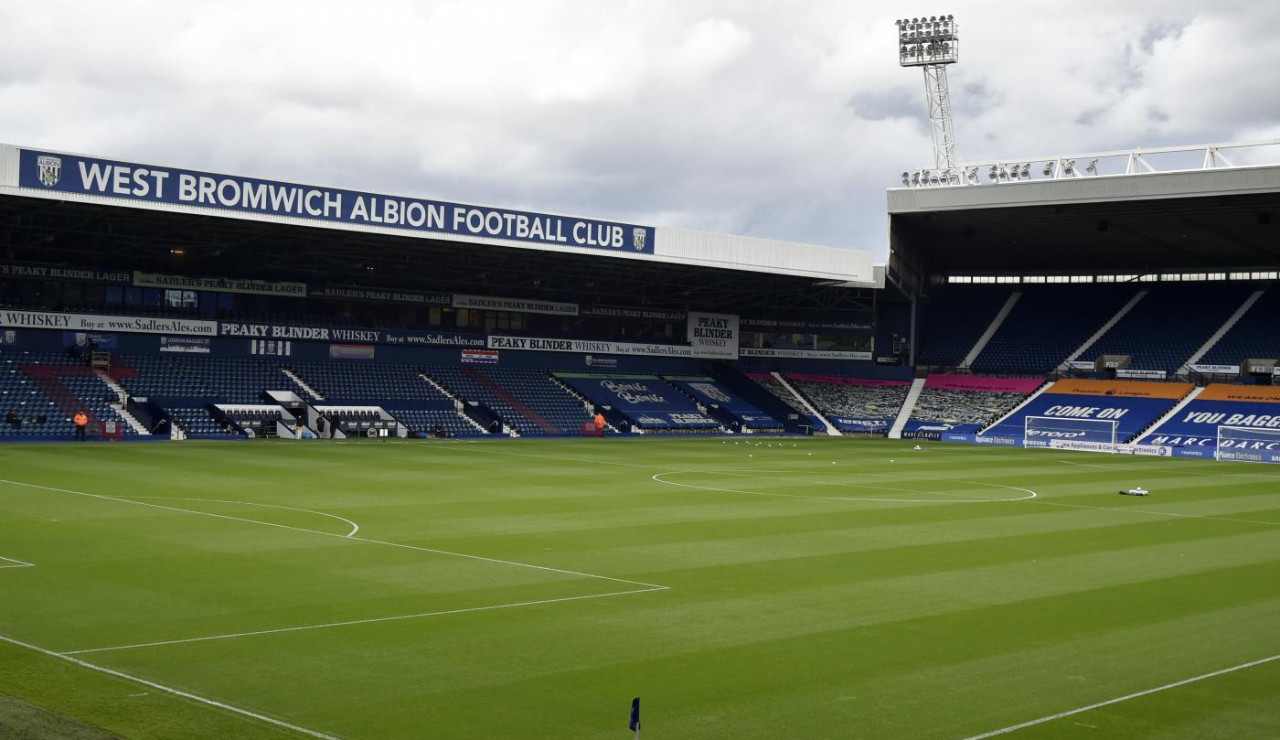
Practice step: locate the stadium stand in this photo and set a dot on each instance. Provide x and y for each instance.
(433, 422)
(1168, 325)
(527, 400)
(717, 398)
(225, 380)
(646, 401)
(1253, 337)
(853, 404)
(1047, 324)
(68, 385)
(29, 412)
(1132, 405)
(771, 385)
(968, 402)
(1252, 414)
(953, 322)
(197, 423)
(379, 382)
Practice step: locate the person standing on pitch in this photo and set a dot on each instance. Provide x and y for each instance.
(81, 420)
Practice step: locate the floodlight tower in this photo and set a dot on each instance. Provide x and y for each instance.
(931, 44)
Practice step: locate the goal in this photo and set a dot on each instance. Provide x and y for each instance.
(1053, 431)
(1248, 444)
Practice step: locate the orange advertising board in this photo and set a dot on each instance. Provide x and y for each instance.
(1123, 388)
(1247, 393)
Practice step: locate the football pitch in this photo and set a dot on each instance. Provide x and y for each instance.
(806, 588)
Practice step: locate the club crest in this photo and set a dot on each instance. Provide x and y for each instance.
(638, 235)
(49, 169)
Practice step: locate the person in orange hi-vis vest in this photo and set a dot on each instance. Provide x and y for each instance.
(599, 423)
(81, 420)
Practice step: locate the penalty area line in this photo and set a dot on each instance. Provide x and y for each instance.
(170, 690)
(1126, 697)
(350, 537)
(14, 563)
(371, 620)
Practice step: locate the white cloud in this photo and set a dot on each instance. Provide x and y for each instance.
(784, 120)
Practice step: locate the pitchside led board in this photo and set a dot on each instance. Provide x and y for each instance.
(138, 183)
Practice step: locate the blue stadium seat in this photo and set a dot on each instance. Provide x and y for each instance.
(1047, 324)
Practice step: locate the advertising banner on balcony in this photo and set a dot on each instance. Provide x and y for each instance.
(591, 347)
(165, 187)
(380, 295)
(39, 272)
(516, 305)
(713, 335)
(219, 285)
(806, 354)
(93, 323)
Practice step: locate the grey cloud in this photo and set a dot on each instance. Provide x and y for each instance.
(774, 119)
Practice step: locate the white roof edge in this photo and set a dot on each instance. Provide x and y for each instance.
(672, 245)
(755, 254)
(1097, 189)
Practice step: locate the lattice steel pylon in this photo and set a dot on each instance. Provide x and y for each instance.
(933, 43)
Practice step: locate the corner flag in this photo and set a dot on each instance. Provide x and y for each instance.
(634, 724)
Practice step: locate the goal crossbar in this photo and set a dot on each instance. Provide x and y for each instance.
(1248, 444)
(1045, 431)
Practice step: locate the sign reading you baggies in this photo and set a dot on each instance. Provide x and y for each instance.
(89, 323)
(137, 183)
(713, 335)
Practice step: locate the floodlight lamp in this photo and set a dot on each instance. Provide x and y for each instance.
(1026, 169)
(1093, 167)
(906, 178)
(1049, 167)
(1069, 166)
(994, 171)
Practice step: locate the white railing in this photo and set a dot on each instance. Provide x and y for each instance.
(1115, 163)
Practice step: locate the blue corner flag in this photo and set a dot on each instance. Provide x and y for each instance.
(634, 725)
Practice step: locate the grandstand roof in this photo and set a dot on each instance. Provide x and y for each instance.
(1205, 219)
(81, 179)
(681, 269)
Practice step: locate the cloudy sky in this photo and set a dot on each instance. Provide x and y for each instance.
(776, 119)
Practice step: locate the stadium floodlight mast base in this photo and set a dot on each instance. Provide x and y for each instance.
(933, 43)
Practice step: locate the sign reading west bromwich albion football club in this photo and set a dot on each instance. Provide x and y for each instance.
(65, 173)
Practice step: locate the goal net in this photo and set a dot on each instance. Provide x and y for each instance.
(1083, 434)
(1248, 444)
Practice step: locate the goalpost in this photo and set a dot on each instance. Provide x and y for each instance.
(1082, 434)
(1248, 444)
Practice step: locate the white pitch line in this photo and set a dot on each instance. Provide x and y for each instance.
(170, 690)
(351, 622)
(1153, 512)
(1126, 697)
(354, 527)
(15, 563)
(366, 540)
(1085, 465)
(657, 477)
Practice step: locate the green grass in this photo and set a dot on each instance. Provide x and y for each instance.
(761, 592)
